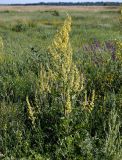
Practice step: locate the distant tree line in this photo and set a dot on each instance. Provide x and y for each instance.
(76, 4)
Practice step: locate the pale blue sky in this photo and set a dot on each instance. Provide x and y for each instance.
(35, 1)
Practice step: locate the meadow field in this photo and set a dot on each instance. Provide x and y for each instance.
(60, 83)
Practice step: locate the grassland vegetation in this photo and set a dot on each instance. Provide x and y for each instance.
(60, 91)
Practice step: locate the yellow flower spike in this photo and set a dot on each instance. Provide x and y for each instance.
(62, 72)
(1, 45)
(67, 73)
(89, 104)
(2, 56)
(44, 80)
(92, 100)
(30, 112)
(119, 50)
(68, 106)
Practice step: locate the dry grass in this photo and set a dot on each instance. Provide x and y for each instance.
(43, 8)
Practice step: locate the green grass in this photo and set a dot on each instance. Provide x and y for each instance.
(42, 27)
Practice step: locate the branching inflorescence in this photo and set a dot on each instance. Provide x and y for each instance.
(62, 68)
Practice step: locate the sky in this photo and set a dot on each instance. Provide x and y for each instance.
(36, 1)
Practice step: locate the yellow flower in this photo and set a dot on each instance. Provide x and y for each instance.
(1, 45)
(68, 106)
(62, 74)
(1, 50)
(119, 50)
(64, 68)
(30, 112)
(89, 104)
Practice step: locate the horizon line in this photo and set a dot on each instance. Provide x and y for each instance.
(59, 2)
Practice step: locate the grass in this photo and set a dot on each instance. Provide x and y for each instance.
(35, 95)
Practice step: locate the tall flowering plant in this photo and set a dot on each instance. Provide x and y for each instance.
(64, 72)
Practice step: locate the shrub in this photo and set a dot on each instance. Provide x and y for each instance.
(55, 13)
(19, 27)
